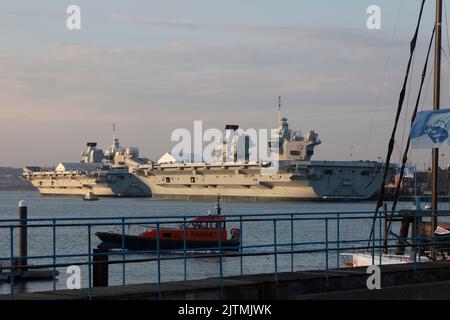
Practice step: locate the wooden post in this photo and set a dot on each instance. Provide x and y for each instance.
(23, 239)
(404, 230)
(100, 268)
(385, 233)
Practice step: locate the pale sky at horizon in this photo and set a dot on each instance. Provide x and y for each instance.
(155, 66)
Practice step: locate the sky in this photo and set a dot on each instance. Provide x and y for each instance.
(155, 66)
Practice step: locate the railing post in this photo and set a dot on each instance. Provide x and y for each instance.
(54, 254)
(123, 252)
(240, 245)
(158, 259)
(326, 249)
(100, 267)
(220, 258)
(385, 234)
(380, 235)
(415, 231)
(338, 239)
(292, 243)
(23, 240)
(89, 263)
(184, 248)
(11, 261)
(373, 238)
(420, 237)
(275, 248)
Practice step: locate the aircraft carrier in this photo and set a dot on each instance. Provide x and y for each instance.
(98, 173)
(297, 178)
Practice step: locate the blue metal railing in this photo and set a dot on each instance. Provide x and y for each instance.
(281, 243)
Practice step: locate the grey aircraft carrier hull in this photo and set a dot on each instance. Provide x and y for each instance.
(98, 173)
(123, 185)
(304, 180)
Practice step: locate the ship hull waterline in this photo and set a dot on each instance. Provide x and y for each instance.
(330, 183)
(131, 187)
(138, 243)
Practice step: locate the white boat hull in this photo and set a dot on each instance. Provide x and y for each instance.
(365, 259)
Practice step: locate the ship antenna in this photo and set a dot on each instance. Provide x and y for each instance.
(114, 132)
(279, 109)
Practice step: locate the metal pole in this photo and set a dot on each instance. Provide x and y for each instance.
(436, 106)
(123, 252)
(158, 245)
(326, 249)
(54, 254)
(415, 232)
(23, 246)
(11, 261)
(380, 235)
(184, 249)
(420, 236)
(373, 237)
(385, 233)
(292, 243)
(240, 246)
(89, 263)
(275, 248)
(220, 259)
(338, 239)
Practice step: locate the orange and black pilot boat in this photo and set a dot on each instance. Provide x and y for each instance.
(205, 233)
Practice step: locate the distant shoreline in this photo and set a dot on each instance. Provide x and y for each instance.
(17, 188)
(11, 180)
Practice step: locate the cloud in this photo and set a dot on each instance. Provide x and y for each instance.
(329, 80)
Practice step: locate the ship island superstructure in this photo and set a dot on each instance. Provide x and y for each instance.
(297, 177)
(100, 173)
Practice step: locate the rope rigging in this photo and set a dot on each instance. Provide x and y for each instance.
(397, 116)
(405, 154)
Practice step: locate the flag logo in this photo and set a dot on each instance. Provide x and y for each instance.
(437, 131)
(430, 129)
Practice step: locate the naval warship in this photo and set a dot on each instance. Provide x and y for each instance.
(98, 173)
(297, 177)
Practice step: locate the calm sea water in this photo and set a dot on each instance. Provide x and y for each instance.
(73, 240)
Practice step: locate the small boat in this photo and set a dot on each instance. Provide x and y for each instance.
(200, 234)
(365, 259)
(90, 196)
(442, 236)
(426, 207)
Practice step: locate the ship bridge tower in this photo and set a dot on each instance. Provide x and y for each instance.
(92, 154)
(283, 129)
(292, 145)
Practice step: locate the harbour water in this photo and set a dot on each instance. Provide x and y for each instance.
(74, 239)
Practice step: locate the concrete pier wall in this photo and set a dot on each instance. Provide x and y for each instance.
(403, 281)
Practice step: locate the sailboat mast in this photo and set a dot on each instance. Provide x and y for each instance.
(436, 106)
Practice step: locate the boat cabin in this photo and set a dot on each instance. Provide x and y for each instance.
(202, 229)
